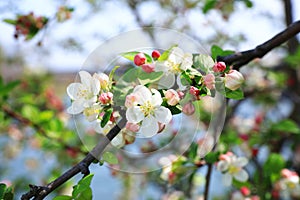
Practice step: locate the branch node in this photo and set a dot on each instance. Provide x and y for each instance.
(84, 168)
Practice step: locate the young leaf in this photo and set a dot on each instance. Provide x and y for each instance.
(130, 75)
(164, 56)
(234, 94)
(2, 190)
(209, 4)
(110, 158)
(10, 21)
(106, 117)
(287, 126)
(112, 73)
(62, 197)
(218, 51)
(82, 186)
(147, 78)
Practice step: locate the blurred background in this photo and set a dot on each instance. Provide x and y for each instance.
(38, 140)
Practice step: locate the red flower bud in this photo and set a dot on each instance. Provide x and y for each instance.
(155, 54)
(194, 91)
(219, 67)
(139, 59)
(245, 191)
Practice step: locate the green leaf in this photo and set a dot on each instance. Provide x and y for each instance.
(62, 197)
(106, 117)
(248, 3)
(5, 89)
(85, 195)
(185, 79)
(211, 157)
(164, 56)
(82, 186)
(112, 73)
(203, 62)
(30, 112)
(10, 21)
(209, 4)
(110, 158)
(147, 78)
(130, 75)
(130, 56)
(218, 51)
(234, 94)
(287, 126)
(8, 195)
(2, 190)
(272, 167)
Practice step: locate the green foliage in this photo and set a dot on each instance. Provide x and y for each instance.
(218, 51)
(81, 191)
(164, 56)
(130, 56)
(134, 74)
(272, 167)
(10, 21)
(234, 94)
(208, 5)
(285, 126)
(5, 89)
(212, 157)
(110, 158)
(6, 193)
(106, 117)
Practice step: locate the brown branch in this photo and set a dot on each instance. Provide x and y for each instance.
(40, 192)
(242, 58)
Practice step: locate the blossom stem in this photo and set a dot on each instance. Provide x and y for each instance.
(207, 183)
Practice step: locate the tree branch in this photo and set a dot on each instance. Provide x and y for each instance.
(40, 192)
(242, 58)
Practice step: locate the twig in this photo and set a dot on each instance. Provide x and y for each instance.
(40, 192)
(207, 183)
(242, 58)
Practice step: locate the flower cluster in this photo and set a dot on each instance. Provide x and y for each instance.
(232, 167)
(154, 98)
(289, 185)
(28, 25)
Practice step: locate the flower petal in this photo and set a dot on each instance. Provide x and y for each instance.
(167, 81)
(161, 67)
(149, 126)
(163, 115)
(95, 86)
(72, 90)
(241, 161)
(76, 107)
(241, 176)
(227, 179)
(85, 78)
(156, 99)
(118, 141)
(179, 83)
(143, 93)
(222, 166)
(134, 114)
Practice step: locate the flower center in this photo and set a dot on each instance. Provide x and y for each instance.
(147, 108)
(84, 93)
(233, 169)
(174, 67)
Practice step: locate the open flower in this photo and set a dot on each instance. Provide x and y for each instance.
(147, 109)
(231, 166)
(83, 94)
(177, 62)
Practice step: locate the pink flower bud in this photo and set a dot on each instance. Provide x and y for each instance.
(194, 91)
(245, 191)
(106, 98)
(233, 80)
(131, 99)
(139, 59)
(287, 173)
(103, 79)
(209, 81)
(226, 156)
(132, 127)
(180, 94)
(172, 97)
(155, 54)
(219, 67)
(188, 109)
(148, 67)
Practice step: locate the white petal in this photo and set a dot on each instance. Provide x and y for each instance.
(241, 161)
(143, 93)
(163, 115)
(241, 176)
(156, 99)
(149, 126)
(85, 78)
(72, 90)
(161, 67)
(176, 55)
(134, 114)
(187, 61)
(222, 165)
(227, 179)
(95, 87)
(76, 107)
(166, 81)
